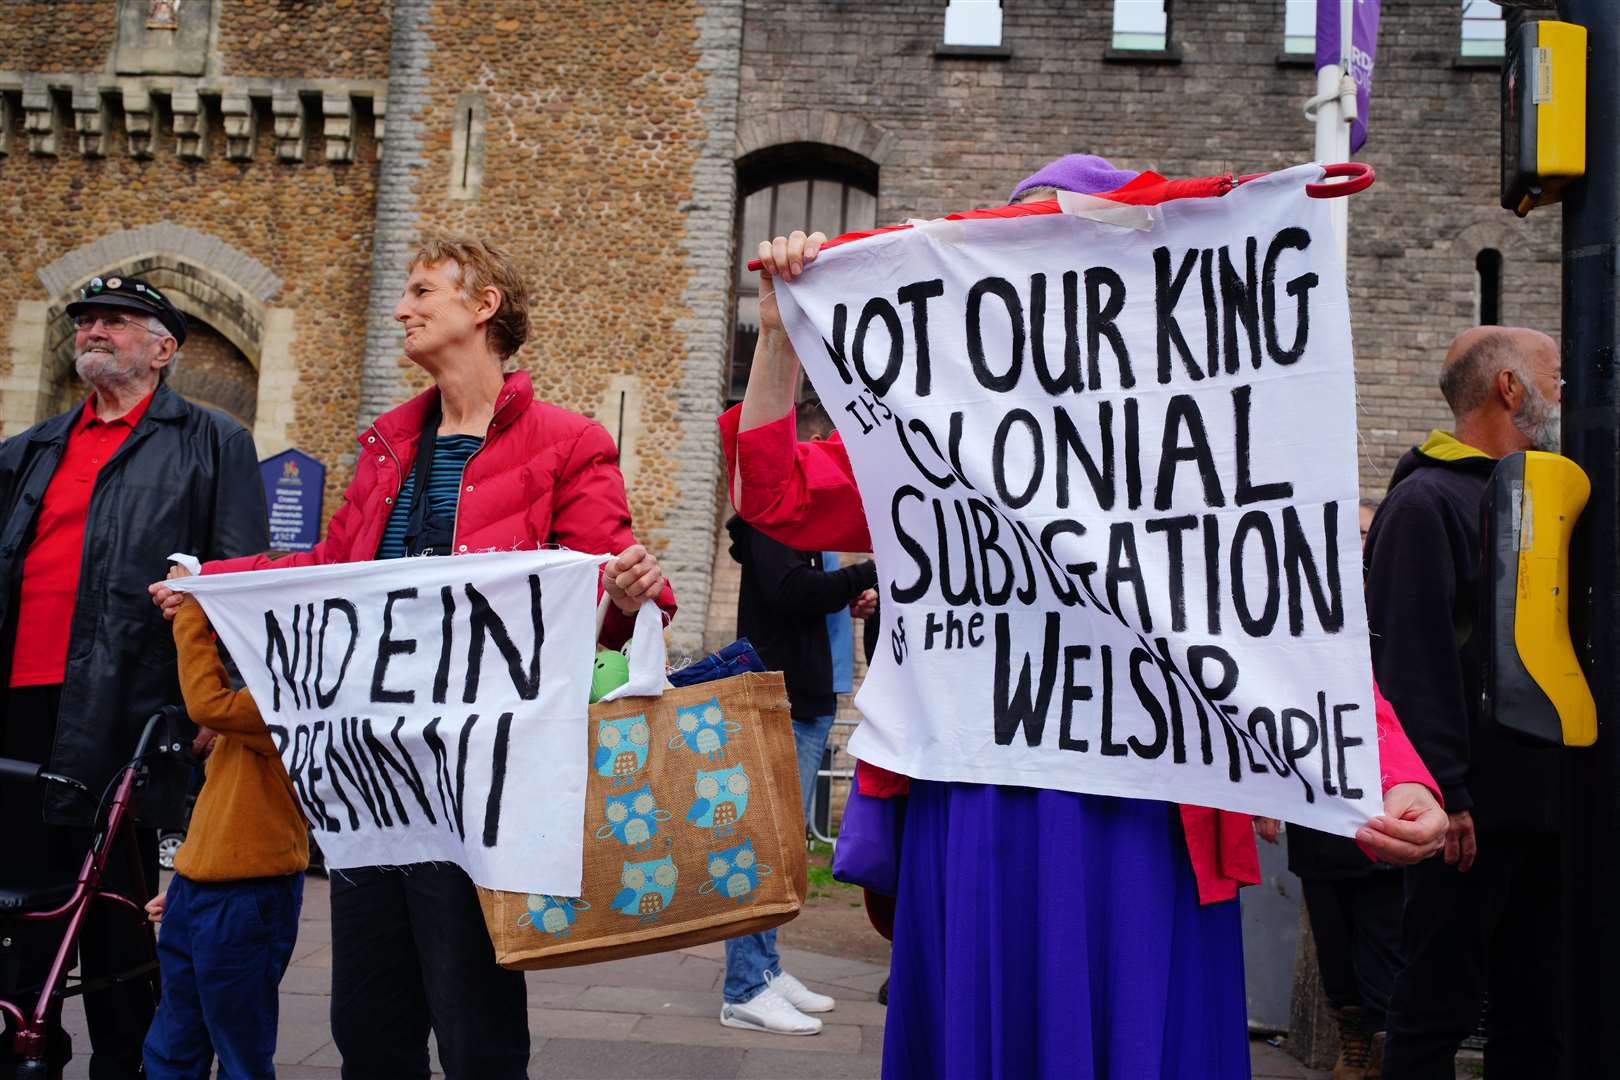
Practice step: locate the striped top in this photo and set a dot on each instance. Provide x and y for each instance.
(450, 454)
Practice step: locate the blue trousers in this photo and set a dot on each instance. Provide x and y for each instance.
(223, 949)
(750, 957)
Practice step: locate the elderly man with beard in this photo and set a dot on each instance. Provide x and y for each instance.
(91, 504)
(1485, 921)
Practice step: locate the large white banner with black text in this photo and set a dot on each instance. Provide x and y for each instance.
(427, 709)
(1109, 467)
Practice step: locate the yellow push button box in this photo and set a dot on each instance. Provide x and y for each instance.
(1533, 681)
(1543, 113)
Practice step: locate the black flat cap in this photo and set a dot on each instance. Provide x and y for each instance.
(133, 294)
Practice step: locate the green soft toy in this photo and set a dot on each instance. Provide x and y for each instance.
(612, 670)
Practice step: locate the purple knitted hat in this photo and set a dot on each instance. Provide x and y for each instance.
(1087, 174)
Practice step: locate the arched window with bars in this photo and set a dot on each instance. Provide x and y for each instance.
(798, 188)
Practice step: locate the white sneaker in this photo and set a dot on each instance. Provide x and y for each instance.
(769, 1011)
(800, 996)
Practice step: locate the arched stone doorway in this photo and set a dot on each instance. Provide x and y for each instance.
(212, 372)
(238, 354)
(224, 337)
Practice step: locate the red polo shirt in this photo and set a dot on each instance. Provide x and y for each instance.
(50, 584)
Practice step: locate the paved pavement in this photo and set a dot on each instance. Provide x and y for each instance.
(653, 1017)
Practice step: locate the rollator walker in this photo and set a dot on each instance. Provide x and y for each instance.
(33, 895)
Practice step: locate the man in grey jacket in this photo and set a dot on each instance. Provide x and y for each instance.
(91, 504)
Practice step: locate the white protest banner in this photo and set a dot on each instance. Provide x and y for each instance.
(1109, 470)
(427, 709)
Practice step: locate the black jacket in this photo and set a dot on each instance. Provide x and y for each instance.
(1423, 582)
(186, 479)
(782, 607)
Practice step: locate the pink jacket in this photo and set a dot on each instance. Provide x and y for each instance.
(543, 476)
(804, 494)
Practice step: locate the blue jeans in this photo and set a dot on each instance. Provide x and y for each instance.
(751, 957)
(810, 740)
(223, 949)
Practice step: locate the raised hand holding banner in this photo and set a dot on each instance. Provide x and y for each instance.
(1109, 471)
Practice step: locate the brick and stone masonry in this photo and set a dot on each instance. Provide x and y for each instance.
(271, 162)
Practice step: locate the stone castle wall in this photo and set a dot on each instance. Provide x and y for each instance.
(276, 173)
(610, 181)
(958, 131)
(255, 221)
(275, 167)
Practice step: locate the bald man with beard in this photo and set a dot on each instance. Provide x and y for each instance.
(1485, 921)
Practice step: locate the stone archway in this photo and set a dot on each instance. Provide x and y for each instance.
(847, 131)
(212, 371)
(219, 365)
(241, 344)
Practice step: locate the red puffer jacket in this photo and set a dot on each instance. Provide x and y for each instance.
(543, 476)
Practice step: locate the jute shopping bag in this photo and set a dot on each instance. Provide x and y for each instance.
(694, 830)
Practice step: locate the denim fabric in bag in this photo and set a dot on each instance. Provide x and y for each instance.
(868, 849)
(735, 659)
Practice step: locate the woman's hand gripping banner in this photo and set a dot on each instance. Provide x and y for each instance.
(427, 709)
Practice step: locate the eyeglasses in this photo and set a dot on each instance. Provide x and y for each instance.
(114, 323)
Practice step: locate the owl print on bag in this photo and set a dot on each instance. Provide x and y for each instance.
(632, 818)
(722, 799)
(703, 729)
(621, 748)
(735, 872)
(552, 914)
(648, 888)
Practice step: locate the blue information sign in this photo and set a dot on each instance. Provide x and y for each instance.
(294, 484)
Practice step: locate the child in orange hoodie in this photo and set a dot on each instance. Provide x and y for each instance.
(230, 916)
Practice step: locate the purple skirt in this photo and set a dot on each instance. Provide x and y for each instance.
(1042, 934)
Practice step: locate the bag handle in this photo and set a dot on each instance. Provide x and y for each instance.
(421, 473)
(646, 650)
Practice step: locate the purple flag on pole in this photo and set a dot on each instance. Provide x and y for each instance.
(1364, 44)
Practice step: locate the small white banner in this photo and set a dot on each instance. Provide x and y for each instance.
(428, 709)
(1109, 471)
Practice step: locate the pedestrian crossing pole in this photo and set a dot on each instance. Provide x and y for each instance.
(1331, 111)
(1591, 436)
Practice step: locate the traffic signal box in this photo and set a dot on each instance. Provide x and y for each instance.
(1543, 113)
(1533, 682)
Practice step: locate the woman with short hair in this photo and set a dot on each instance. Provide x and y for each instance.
(474, 463)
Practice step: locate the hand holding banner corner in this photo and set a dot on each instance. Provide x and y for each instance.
(430, 709)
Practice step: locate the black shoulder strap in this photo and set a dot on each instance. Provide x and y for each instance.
(421, 472)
